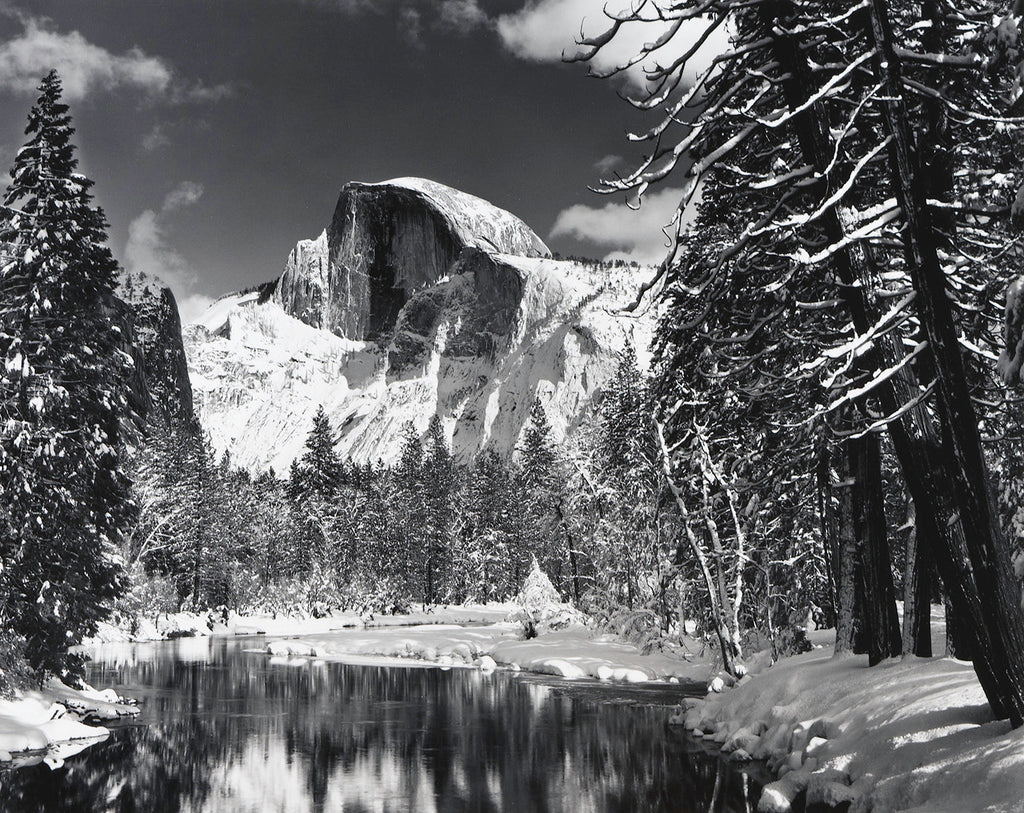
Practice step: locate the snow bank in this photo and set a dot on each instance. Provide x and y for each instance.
(197, 625)
(571, 653)
(46, 725)
(574, 653)
(915, 734)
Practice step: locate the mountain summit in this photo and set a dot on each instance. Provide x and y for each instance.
(416, 300)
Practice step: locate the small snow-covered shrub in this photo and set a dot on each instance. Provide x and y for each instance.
(147, 597)
(538, 592)
(541, 606)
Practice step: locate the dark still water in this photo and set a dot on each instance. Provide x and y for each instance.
(224, 729)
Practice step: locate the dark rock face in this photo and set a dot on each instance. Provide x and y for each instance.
(160, 392)
(478, 307)
(385, 243)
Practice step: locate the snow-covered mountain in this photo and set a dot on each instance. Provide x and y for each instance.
(417, 300)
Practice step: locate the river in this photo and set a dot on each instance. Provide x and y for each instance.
(224, 727)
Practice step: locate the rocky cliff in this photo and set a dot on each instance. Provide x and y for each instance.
(160, 391)
(417, 300)
(386, 241)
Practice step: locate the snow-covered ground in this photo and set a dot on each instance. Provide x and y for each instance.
(50, 724)
(913, 734)
(575, 652)
(189, 624)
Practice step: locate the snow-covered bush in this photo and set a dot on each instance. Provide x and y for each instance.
(542, 606)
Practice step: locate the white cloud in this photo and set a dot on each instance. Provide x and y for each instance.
(86, 68)
(463, 16)
(631, 234)
(410, 26)
(156, 139)
(545, 30)
(192, 306)
(604, 166)
(184, 194)
(148, 252)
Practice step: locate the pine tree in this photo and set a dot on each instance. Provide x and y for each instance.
(492, 532)
(440, 487)
(62, 396)
(851, 223)
(321, 468)
(542, 480)
(409, 542)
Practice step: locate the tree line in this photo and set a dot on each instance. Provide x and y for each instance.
(338, 535)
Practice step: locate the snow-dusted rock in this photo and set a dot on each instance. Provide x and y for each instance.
(559, 667)
(778, 796)
(487, 664)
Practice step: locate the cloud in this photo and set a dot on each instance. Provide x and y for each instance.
(184, 194)
(545, 30)
(156, 139)
(632, 234)
(461, 16)
(410, 26)
(605, 165)
(86, 68)
(148, 252)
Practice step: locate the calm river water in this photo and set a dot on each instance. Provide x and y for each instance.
(223, 728)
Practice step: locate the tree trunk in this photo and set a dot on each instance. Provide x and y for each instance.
(917, 594)
(729, 654)
(880, 620)
(958, 640)
(847, 615)
(829, 529)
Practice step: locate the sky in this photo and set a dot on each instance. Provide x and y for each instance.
(220, 132)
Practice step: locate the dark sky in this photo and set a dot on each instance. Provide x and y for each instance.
(220, 132)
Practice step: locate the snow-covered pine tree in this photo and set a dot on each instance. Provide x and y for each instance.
(491, 538)
(321, 467)
(65, 500)
(542, 482)
(409, 539)
(623, 490)
(441, 487)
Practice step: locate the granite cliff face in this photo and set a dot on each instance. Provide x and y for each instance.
(386, 241)
(417, 300)
(160, 391)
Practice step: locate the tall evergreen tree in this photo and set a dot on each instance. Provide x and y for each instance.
(321, 468)
(440, 489)
(542, 480)
(61, 395)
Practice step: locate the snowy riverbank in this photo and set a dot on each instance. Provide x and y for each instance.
(912, 734)
(189, 624)
(575, 652)
(54, 722)
(486, 636)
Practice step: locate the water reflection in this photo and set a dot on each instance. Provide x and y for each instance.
(227, 730)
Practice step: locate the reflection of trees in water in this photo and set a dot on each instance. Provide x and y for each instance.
(320, 736)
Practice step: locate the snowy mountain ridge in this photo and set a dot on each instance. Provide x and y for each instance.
(417, 300)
